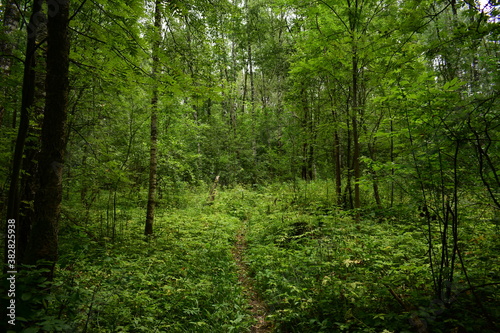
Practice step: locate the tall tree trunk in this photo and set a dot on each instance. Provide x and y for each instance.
(304, 172)
(153, 161)
(348, 198)
(392, 161)
(44, 245)
(338, 167)
(310, 159)
(28, 99)
(252, 104)
(355, 133)
(376, 192)
(337, 152)
(249, 19)
(306, 149)
(354, 15)
(29, 178)
(245, 89)
(313, 136)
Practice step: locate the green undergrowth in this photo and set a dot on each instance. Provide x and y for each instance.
(182, 280)
(320, 270)
(316, 267)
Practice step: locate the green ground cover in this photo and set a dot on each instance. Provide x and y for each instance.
(315, 266)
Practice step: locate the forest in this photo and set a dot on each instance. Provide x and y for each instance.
(250, 166)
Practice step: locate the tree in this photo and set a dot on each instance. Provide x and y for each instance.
(43, 243)
(153, 159)
(27, 103)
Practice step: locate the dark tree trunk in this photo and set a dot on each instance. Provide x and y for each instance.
(392, 163)
(153, 161)
(304, 172)
(307, 170)
(29, 179)
(338, 168)
(355, 9)
(28, 99)
(43, 243)
(372, 151)
(348, 198)
(310, 162)
(310, 153)
(337, 151)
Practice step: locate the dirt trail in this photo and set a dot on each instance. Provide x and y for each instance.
(257, 306)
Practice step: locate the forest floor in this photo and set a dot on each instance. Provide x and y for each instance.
(273, 259)
(258, 307)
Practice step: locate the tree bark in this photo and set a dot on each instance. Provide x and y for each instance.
(153, 160)
(348, 198)
(376, 191)
(43, 244)
(29, 178)
(27, 102)
(307, 171)
(355, 100)
(338, 168)
(355, 133)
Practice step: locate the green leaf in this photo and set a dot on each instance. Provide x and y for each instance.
(26, 296)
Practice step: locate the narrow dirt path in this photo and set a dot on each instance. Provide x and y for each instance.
(257, 307)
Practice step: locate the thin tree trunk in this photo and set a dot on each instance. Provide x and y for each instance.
(307, 149)
(48, 198)
(313, 137)
(252, 90)
(310, 161)
(355, 12)
(338, 168)
(348, 199)
(376, 192)
(304, 161)
(153, 161)
(337, 155)
(355, 133)
(245, 89)
(392, 162)
(252, 103)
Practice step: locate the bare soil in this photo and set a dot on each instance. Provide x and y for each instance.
(257, 307)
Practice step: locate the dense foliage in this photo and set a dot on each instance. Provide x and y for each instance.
(317, 269)
(356, 143)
